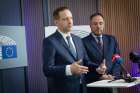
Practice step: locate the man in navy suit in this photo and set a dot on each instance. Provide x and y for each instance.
(64, 57)
(100, 49)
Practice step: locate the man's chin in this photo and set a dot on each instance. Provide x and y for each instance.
(98, 33)
(67, 30)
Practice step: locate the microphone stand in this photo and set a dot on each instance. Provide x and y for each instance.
(125, 75)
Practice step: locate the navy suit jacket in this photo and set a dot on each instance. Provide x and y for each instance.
(110, 47)
(56, 55)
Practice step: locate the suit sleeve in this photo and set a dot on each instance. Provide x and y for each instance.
(49, 67)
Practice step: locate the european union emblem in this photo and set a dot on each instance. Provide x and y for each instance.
(9, 51)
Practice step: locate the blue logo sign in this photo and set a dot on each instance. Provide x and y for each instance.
(9, 51)
(8, 48)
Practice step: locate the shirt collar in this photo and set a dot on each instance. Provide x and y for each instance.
(96, 35)
(64, 34)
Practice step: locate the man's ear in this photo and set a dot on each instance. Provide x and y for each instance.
(56, 22)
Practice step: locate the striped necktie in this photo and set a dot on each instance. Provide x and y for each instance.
(71, 47)
(100, 46)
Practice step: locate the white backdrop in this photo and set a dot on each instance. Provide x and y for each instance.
(80, 30)
(13, 35)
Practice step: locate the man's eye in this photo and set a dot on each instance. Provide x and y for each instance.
(101, 23)
(94, 23)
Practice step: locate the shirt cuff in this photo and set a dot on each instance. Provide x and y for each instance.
(68, 70)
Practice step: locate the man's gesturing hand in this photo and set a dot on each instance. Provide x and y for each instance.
(102, 68)
(78, 69)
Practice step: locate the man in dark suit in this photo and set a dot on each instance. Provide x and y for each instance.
(64, 57)
(100, 48)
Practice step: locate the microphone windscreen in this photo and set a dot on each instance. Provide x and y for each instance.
(115, 56)
(117, 59)
(134, 57)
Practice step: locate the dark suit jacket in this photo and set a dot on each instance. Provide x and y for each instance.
(110, 47)
(56, 56)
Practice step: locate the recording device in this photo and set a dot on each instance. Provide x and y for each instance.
(135, 58)
(117, 59)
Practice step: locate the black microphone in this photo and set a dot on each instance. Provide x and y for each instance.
(134, 57)
(117, 59)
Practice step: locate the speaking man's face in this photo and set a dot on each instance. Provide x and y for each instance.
(65, 21)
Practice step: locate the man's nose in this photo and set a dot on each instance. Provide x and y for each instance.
(98, 25)
(69, 20)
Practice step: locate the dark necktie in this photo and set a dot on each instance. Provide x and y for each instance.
(71, 47)
(100, 46)
(99, 43)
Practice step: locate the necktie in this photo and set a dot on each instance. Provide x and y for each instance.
(99, 42)
(71, 47)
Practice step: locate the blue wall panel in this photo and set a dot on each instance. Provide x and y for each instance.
(10, 12)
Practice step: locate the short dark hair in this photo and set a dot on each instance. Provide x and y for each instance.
(96, 14)
(56, 12)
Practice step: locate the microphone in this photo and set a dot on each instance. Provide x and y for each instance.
(117, 59)
(134, 57)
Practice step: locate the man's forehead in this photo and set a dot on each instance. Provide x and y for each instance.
(65, 13)
(97, 17)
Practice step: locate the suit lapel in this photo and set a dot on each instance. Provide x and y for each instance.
(105, 44)
(94, 43)
(61, 40)
(64, 44)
